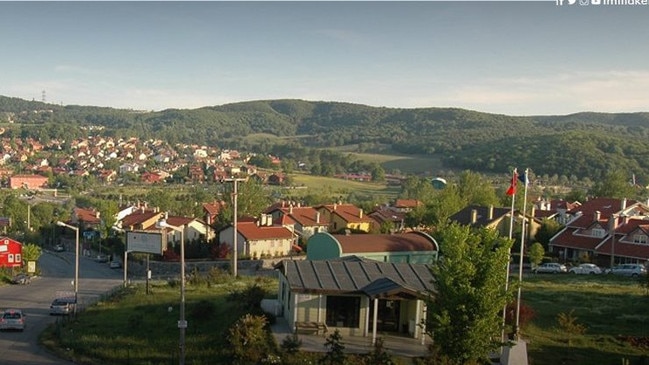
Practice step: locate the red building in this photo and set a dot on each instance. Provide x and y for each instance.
(11, 253)
(27, 181)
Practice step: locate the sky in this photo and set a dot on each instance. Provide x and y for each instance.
(509, 57)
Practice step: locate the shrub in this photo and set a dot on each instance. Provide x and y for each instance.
(568, 324)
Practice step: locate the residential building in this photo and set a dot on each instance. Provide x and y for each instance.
(304, 221)
(605, 231)
(11, 253)
(31, 182)
(345, 216)
(260, 238)
(355, 296)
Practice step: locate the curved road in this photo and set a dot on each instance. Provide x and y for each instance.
(57, 273)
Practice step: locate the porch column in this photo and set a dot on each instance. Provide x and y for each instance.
(319, 308)
(423, 325)
(294, 309)
(376, 314)
(417, 318)
(366, 328)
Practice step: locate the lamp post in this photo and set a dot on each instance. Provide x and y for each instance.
(76, 260)
(182, 323)
(234, 222)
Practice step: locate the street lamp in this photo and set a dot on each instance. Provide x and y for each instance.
(76, 261)
(182, 323)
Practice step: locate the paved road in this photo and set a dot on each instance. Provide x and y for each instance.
(95, 279)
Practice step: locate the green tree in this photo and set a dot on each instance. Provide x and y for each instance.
(335, 350)
(247, 340)
(475, 190)
(547, 230)
(536, 253)
(466, 308)
(32, 252)
(378, 173)
(615, 184)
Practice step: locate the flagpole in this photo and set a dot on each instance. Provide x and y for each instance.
(512, 188)
(520, 264)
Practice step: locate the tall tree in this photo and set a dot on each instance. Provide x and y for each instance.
(476, 190)
(470, 294)
(615, 184)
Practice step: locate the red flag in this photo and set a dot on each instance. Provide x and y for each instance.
(512, 185)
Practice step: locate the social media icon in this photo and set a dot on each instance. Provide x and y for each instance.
(584, 2)
(595, 2)
(572, 2)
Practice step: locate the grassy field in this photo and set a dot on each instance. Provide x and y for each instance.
(608, 307)
(334, 187)
(135, 328)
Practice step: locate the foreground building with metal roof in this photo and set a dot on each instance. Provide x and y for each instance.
(358, 297)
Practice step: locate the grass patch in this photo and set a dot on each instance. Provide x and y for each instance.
(134, 328)
(334, 187)
(611, 308)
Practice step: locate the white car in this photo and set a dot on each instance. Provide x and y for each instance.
(585, 269)
(551, 268)
(12, 319)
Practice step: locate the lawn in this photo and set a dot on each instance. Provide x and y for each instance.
(610, 308)
(335, 187)
(136, 328)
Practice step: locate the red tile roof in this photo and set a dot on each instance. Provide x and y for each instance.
(252, 232)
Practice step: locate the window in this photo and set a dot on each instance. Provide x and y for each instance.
(597, 232)
(640, 238)
(343, 311)
(17, 257)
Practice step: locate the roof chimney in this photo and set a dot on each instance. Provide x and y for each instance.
(317, 217)
(623, 204)
(474, 216)
(335, 205)
(360, 213)
(491, 212)
(290, 209)
(597, 215)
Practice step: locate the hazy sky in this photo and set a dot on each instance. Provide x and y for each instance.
(517, 58)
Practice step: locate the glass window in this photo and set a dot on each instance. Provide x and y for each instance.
(343, 311)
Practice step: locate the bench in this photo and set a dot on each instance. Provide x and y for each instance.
(310, 328)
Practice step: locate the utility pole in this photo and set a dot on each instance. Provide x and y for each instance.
(234, 222)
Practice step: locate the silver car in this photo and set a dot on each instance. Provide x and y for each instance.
(12, 319)
(633, 270)
(551, 268)
(585, 269)
(62, 306)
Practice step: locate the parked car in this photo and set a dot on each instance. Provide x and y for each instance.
(101, 258)
(62, 306)
(551, 268)
(12, 319)
(585, 269)
(115, 264)
(633, 270)
(21, 279)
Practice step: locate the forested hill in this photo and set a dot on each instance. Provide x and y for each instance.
(582, 144)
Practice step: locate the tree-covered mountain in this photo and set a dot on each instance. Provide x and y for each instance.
(581, 145)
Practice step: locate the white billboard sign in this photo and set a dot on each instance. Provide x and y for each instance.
(145, 241)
